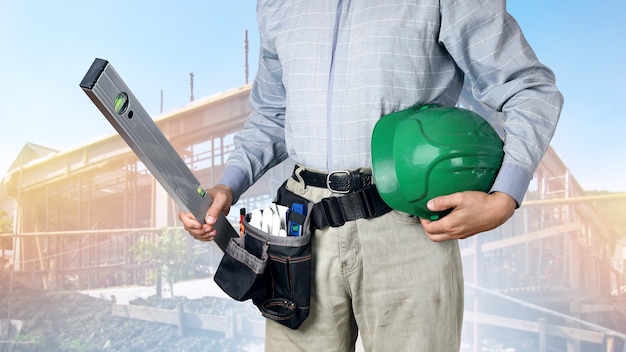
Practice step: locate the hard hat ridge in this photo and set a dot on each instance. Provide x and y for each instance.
(430, 150)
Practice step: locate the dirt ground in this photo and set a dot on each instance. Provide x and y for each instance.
(71, 321)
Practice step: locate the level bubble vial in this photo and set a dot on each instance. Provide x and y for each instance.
(121, 103)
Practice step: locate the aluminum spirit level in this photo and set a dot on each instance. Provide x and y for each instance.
(120, 107)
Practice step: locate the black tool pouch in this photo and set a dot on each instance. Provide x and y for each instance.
(275, 272)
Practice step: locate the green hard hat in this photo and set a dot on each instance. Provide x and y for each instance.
(428, 151)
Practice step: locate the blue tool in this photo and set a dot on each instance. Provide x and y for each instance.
(296, 219)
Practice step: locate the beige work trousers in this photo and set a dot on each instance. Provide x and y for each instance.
(382, 278)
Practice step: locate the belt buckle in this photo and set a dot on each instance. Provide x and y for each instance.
(328, 180)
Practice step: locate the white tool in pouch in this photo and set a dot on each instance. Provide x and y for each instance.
(271, 219)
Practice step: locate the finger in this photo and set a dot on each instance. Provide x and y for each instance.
(440, 230)
(438, 237)
(189, 221)
(206, 235)
(196, 230)
(434, 227)
(433, 230)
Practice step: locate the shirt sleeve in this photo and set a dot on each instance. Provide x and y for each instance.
(260, 144)
(504, 74)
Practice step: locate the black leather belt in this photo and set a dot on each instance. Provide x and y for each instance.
(339, 181)
(360, 201)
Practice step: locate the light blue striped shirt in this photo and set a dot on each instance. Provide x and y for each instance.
(329, 69)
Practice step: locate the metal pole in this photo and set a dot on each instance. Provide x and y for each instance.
(570, 318)
(16, 221)
(245, 50)
(543, 336)
(191, 87)
(574, 200)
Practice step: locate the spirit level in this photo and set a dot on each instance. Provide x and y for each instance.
(120, 107)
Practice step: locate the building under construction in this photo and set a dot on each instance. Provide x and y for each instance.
(553, 274)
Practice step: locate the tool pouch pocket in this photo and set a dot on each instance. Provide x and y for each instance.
(241, 273)
(273, 271)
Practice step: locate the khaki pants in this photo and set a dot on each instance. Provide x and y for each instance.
(383, 278)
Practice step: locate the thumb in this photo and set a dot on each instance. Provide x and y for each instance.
(441, 203)
(213, 213)
(222, 199)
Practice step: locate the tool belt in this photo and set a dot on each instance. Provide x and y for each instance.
(359, 198)
(275, 272)
(272, 271)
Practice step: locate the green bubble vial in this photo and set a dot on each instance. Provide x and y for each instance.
(121, 103)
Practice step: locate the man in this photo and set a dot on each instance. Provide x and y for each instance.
(328, 70)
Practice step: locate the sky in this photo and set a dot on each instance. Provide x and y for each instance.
(46, 47)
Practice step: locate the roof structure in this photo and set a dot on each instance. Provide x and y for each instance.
(29, 153)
